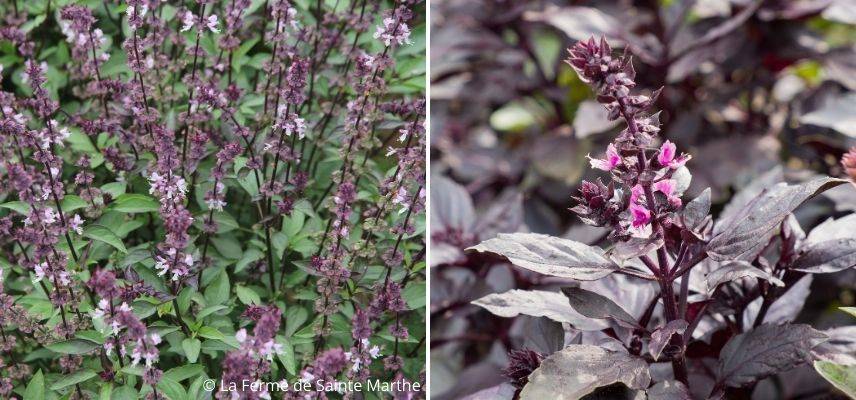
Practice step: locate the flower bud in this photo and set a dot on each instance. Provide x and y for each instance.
(848, 161)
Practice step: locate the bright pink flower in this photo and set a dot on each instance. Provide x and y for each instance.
(636, 193)
(667, 158)
(641, 215)
(611, 161)
(667, 187)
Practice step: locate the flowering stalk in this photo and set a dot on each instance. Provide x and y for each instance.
(252, 360)
(628, 161)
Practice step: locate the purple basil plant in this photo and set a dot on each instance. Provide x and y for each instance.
(206, 191)
(682, 304)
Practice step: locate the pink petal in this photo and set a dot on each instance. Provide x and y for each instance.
(679, 162)
(612, 156)
(641, 215)
(667, 153)
(600, 164)
(636, 193)
(666, 186)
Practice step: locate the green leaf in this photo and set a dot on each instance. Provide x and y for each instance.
(135, 203)
(225, 222)
(102, 233)
(115, 189)
(247, 296)
(849, 310)
(183, 372)
(36, 387)
(252, 254)
(172, 389)
(210, 333)
(295, 316)
(414, 295)
(208, 311)
(292, 225)
(106, 391)
(71, 202)
(73, 346)
(77, 377)
(124, 393)
(218, 291)
(227, 246)
(287, 357)
(842, 377)
(191, 348)
(513, 117)
(18, 206)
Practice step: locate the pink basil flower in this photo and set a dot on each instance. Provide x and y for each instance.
(641, 215)
(667, 187)
(667, 158)
(610, 162)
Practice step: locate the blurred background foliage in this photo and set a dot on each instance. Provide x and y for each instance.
(750, 86)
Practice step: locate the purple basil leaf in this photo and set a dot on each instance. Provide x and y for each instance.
(828, 256)
(593, 305)
(578, 370)
(537, 303)
(591, 118)
(764, 351)
(550, 255)
(577, 22)
(632, 294)
(543, 335)
(837, 114)
(832, 229)
(841, 11)
(660, 337)
(841, 345)
(752, 226)
(444, 253)
(451, 207)
(726, 27)
(746, 194)
(636, 247)
(696, 210)
(505, 215)
(737, 270)
(840, 67)
(785, 308)
(504, 391)
(668, 390)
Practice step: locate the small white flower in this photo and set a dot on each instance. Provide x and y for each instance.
(306, 377)
(215, 204)
(103, 306)
(39, 271)
(189, 20)
(212, 24)
(140, 14)
(241, 335)
(76, 224)
(374, 352)
(50, 216)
